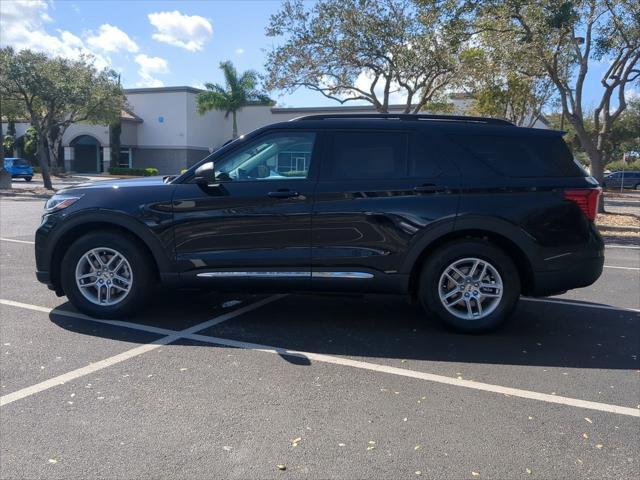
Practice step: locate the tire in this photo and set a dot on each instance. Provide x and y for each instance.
(637, 187)
(463, 254)
(27, 179)
(128, 297)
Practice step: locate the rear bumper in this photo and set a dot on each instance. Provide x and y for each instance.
(577, 275)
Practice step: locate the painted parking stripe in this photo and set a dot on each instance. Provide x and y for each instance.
(13, 240)
(628, 247)
(430, 377)
(121, 357)
(579, 304)
(622, 268)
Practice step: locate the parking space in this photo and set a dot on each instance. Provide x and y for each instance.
(211, 385)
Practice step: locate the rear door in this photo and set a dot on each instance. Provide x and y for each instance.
(378, 191)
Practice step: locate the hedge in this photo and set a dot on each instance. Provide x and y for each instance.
(620, 165)
(135, 172)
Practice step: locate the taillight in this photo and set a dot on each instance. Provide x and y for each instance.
(586, 199)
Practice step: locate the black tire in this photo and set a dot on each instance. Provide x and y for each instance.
(469, 248)
(27, 179)
(136, 256)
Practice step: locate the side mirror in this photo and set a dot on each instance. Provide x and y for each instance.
(205, 174)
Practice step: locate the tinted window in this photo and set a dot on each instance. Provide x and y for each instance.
(358, 155)
(522, 156)
(423, 161)
(19, 162)
(277, 156)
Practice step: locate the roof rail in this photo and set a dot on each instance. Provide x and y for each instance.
(407, 117)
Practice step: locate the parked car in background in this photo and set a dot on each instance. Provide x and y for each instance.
(18, 168)
(463, 214)
(624, 179)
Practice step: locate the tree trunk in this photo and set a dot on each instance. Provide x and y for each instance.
(235, 125)
(5, 177)
(44, 164)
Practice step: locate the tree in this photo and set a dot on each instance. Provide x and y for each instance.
(239, 91)
(367, 50)
(56, 93)
(624, 140)
(567, 38)
(503, 81)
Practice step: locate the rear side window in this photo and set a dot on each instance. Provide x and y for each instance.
(522, 156)
(366, 155)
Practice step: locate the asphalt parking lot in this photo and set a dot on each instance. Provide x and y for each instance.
(211, 386)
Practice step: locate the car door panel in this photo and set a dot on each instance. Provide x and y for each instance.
(249, 229)
(369, 225)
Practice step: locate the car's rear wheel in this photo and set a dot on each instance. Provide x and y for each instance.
(470, 285)
(106, 274)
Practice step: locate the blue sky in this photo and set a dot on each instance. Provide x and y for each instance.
(155, 43)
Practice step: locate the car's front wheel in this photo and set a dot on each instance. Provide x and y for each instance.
(106, 274)
(470, 285)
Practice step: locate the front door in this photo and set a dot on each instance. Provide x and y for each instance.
(254, 223)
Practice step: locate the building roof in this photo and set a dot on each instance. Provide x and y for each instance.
(128, 91)
(129, 116)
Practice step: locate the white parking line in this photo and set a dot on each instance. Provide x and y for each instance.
(628, 247)
(17, 241)
(579, 304)
(622, 268)
(430, 377)
(121, 357)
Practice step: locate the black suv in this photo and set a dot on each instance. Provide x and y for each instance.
(464, 214)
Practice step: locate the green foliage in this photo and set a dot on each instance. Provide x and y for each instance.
(239, 91)
(620, 165)
(8, 144)
(136, 172)
(623, 140)
(367, 50)
(54, 93)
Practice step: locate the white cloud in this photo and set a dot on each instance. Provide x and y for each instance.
(631, 94)
(149, 66)
(22, 25)
(112, 39)
(239, 51)
(184, 31)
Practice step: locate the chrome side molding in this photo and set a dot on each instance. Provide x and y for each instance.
(236, 274)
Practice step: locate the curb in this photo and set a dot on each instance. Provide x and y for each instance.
(617, 228)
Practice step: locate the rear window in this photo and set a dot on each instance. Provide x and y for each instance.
(19, 162)
(367, 155)
(522, 156)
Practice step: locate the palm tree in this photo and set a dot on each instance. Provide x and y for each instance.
(239, 91)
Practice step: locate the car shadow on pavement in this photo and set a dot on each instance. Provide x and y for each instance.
(388, 327)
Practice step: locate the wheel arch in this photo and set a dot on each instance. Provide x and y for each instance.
(500, 239)
(87, 223)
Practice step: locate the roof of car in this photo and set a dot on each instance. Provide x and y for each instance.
(449, 123)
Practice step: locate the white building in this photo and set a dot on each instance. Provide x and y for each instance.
(162, 128)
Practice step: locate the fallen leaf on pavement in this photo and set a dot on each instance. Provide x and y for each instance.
(588, 419)
(281, 467)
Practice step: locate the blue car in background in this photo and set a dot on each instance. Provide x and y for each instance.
(18, 168)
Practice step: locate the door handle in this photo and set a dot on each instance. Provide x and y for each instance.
(283, 194)
(429, 188)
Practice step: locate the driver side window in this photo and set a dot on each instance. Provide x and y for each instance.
(276, 156)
